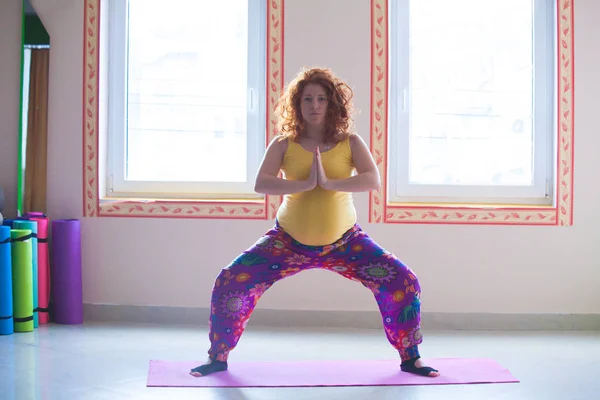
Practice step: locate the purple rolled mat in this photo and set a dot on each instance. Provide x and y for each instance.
(67, 297)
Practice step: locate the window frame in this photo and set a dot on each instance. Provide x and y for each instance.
(401, 190)
(95, 127)
(117, 185)
(384, 209)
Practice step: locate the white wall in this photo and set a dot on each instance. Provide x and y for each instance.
(10, 79)
(462, 268)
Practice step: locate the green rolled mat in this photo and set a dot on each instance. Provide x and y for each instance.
(22, 279)
(33, 226)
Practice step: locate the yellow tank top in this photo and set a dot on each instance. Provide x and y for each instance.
(318, 217)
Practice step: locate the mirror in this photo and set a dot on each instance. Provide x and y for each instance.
(35, 52)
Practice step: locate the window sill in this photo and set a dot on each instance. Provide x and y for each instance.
(476, 214)
(473, 206)
(216, 199)
(183, 208)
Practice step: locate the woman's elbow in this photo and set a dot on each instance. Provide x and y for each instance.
(376, 181)
(258, 186)
(261, 185)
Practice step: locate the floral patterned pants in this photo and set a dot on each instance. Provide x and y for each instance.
(277, 255)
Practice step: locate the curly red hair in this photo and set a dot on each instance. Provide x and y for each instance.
(338, 122)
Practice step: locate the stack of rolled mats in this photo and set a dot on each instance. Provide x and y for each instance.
(31, 292)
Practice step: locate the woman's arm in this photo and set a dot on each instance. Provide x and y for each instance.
(267, 181)
(367, 176)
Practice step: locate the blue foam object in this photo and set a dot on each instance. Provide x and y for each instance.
(6, 295)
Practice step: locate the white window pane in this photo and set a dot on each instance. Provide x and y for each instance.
(187, 91)
(471, 91)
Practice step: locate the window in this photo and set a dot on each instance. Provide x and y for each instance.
(438, 108)
(177, 196)
(187, 98)
(472, 101)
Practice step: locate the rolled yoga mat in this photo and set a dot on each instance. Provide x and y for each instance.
(22, 280)
(8, 222)
(35, 214)
(67, 297)
(33, 226)
(43, 278)
(6, 301)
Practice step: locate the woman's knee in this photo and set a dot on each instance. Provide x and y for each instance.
(406, 277)
(229, 272)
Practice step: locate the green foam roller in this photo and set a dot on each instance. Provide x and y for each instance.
(22, 279)
(33, 226)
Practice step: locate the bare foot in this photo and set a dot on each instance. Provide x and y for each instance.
(418, 367)
(421, 364)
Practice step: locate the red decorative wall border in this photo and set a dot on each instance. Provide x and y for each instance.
(381, 210)
(234, 209)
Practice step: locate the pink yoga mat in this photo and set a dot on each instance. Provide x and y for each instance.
(328, 373)
(43, 270)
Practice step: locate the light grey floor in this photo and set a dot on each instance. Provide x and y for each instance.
(110, 361)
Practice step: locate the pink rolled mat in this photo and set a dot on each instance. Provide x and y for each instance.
(328, 373)
(43, 266)
(67, 297)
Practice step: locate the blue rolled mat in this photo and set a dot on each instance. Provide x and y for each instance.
(6, 296)
(8, 222)
(33, 227)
